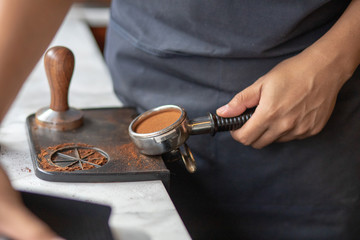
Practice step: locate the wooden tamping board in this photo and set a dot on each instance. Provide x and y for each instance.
(66, 142)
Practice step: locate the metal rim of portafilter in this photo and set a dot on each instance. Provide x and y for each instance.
(171, 140)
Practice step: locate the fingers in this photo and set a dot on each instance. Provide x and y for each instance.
(245, 99)
(263, 128)
(254, 128)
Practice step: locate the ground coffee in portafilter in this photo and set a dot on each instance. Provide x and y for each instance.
(158, 121)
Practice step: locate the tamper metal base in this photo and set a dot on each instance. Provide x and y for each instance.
(61, 121)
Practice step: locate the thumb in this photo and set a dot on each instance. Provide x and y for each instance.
(245, 99)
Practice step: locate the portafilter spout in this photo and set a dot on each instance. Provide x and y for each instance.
(171, 138)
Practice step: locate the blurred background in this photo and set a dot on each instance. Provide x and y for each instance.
(96, 14)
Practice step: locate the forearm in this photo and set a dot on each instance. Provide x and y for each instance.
(340, 46)
(5, 186)
(16, 221)
(26, 29)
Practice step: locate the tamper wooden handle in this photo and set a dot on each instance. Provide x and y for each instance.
(59, 66)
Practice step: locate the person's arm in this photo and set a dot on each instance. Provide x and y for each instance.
(16, 221)
(26, 29)
(296, 98)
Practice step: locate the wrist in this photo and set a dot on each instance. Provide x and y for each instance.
(339, 48)
(340, 61)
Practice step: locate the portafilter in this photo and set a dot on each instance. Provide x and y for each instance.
(170, 139)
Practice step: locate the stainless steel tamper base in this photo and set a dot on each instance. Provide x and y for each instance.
(61, 121)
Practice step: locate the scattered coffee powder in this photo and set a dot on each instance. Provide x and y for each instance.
(26, 169)
(158, 121)
(132, 160)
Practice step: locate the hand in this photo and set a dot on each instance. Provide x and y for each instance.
(294, 100)
(16, 221)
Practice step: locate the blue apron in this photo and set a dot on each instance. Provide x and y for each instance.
(198, 54)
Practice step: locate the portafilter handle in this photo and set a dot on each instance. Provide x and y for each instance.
(203, 125)
(214, 123)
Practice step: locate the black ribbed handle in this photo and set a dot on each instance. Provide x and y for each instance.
(228, 124)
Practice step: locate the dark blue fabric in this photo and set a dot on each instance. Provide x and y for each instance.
(306, 189)
(227, 28)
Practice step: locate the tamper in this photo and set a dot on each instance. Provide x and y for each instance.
(59, 65)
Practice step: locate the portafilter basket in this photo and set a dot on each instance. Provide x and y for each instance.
(171, 140)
